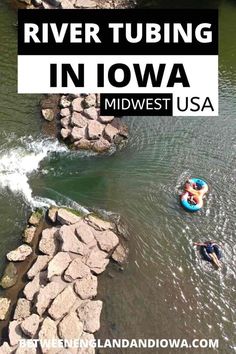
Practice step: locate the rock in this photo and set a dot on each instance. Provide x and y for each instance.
(86, 287)
(65, 103)
(101, 145)
(91, 113)
(107, 240)
(90, 100)
(65, 122)
(97, 261)
(106, 119)
(85, 233)
(77, 269)
(6, 349)
(66, 217)
(4, 307)
(62, 303)
(70, 328)
(40, 264)
(110, 132)
(70, 242)
(48, 332)
(77, 104)
(48, 114)
(30, 325)
(20, 253)
(54, 2)
(87, 338)
(65, 133)
(46, 295)
(120, 254)
(58, 264)
(66, 4)
(79, 120)
(49, 241)
(89, 313)
(22, 350)
(14, 332)
(34, 286)
(122, 128)
(35, 218)
(9, 277)
(83, 144)
(78, 133)
(52, 214)
(65, 112)
(22, 310)
(37, 3)
(99, 224)
(29, 233)
(85, 4)
(95, 129)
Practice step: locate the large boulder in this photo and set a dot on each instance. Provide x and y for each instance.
(58, 264)
(70, 243)
(70, 328)
(65, 133)
(52, 214)
(89, 313)
(83, 144)
(35, 218)
(77, 104)
(34, 286)
(110, 132)
(77, 269)
(91, 113)
(95, 129)
(65, 112)
(120, 254)
(86, 287)
(40, 264)
(47, 294)
(101, 145)
(22, 310)
(97, 261)
(78, 133)
(6, 349)
(14, 332)
(29, 233)
(30, 325)
(79, 120)
(65, 103)
(4, 307)
(90, 100)
(66, 217)
(49, 241)
(106, 119)
(20, 253)
(9, 277)
(62, 303)
(107, 240)
(99, 224)
(85, 234)
(65, 122)
(66, 4)
(48, 332)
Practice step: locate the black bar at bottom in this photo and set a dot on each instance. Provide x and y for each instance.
(136, 104)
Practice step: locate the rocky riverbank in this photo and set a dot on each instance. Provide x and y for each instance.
(58, 297)
(76, 119)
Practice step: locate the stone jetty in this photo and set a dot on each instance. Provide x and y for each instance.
(59, 298)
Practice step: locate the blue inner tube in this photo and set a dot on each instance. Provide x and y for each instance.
(206, 256)
(199, 182)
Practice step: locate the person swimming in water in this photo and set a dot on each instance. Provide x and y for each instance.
(209, 247)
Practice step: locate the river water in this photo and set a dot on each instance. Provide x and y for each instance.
(165, 290)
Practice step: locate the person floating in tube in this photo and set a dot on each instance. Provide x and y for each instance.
(210, 252)
(188, 186)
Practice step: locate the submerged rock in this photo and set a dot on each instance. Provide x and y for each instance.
(48, 114)
(4, 308)
(83, 144)
(20, 253)
(9, 277)
(101, 145)
(35, 218)
(29, 234)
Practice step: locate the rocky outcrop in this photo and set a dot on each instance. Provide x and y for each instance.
(59, 298)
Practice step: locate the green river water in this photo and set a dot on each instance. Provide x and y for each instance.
(165, 291)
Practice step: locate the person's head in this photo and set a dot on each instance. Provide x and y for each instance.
(209, 248)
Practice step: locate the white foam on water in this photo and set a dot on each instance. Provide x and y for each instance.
(18, 163)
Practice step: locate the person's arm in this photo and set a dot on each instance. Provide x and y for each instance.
(199, 244)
